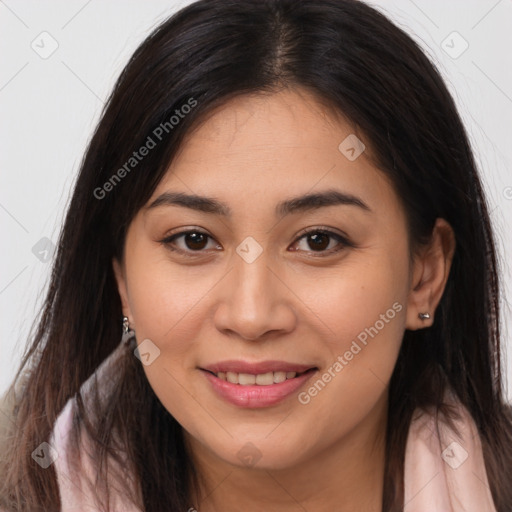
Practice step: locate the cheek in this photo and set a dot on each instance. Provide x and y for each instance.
(166, 310)
(351, 300)
(171, 306)
(166, 301)
(364, 307)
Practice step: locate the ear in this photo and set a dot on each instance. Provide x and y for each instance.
(430, 273)
(122, 289)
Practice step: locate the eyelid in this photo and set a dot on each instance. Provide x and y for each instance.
(322, 229)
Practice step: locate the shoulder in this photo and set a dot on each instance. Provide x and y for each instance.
(8, 404)
(444, 465)
(72, 452)
(74, 477)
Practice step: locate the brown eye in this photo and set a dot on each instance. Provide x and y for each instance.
(188, 242)
(318, 241)
(322, 241)
(195, 240)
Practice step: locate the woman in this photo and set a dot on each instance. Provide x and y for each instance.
(276, 284)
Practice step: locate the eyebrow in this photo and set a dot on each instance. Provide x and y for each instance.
(302, 203)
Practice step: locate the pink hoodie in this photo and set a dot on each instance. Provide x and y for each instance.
(443, 473)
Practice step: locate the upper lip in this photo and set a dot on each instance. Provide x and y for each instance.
(257, 368)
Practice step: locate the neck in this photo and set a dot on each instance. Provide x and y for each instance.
(346, 476)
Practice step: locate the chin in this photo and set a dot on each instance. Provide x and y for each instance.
(263, 452)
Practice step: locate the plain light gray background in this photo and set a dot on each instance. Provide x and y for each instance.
(50, 102)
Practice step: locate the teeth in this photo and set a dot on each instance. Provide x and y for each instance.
(246, 379)
(262, 379)
(232, 377)
(265, 379)
(279, 377)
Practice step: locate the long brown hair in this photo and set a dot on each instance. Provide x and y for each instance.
(360, 64)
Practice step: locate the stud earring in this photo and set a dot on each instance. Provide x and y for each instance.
(424, 316)
(128, 334)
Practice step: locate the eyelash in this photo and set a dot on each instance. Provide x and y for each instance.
(343, 242)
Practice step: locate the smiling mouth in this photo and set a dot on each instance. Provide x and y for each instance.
(257, 385)
(260, 379)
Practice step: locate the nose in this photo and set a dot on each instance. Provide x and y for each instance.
(255, 301)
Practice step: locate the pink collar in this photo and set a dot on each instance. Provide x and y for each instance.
(443, 473)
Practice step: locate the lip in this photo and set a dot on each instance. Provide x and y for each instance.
(254, 396)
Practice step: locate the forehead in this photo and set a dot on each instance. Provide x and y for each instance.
(264, 147)
(296, 116)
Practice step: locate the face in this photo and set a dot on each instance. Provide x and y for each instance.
(270, 326)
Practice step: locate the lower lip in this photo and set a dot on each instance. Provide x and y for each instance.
(254, 396)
